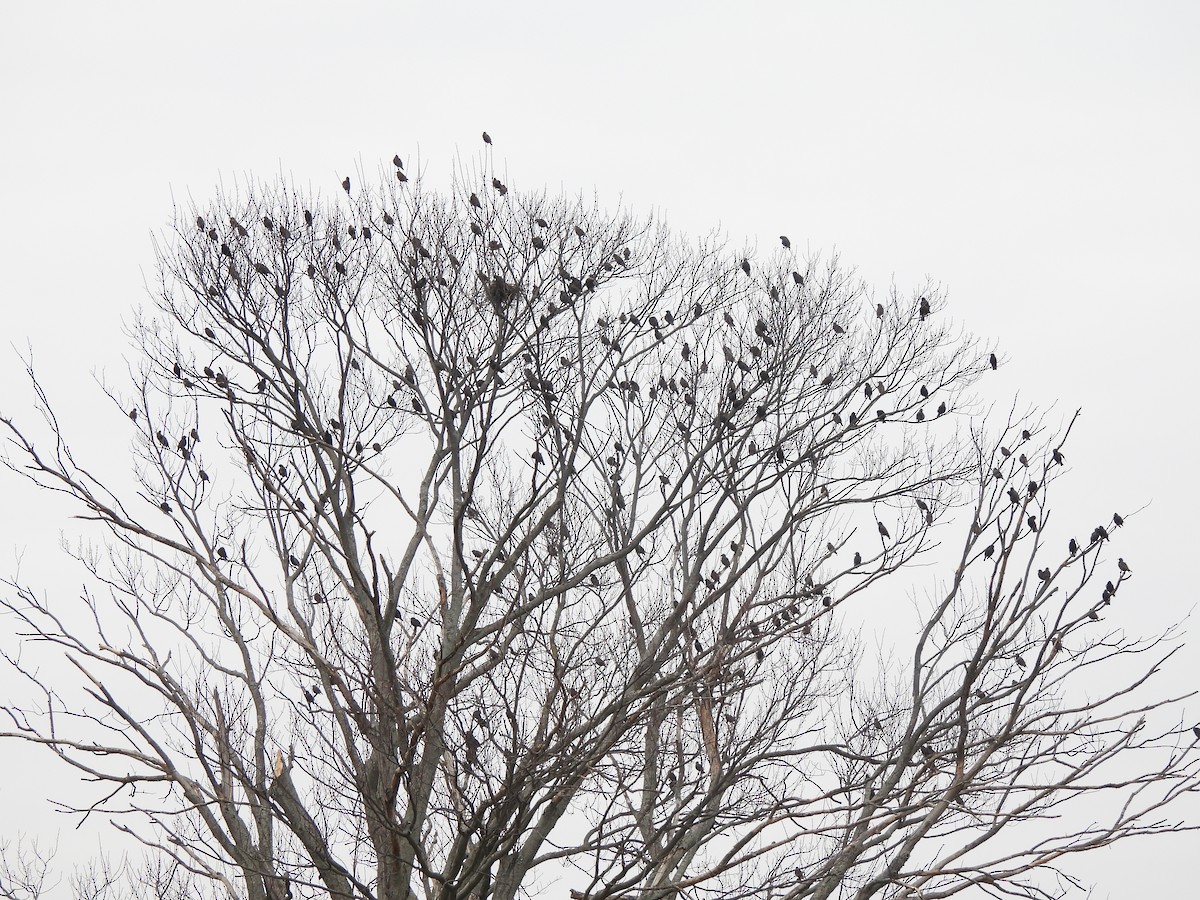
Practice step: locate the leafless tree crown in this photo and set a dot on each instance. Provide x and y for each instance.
(487, 545)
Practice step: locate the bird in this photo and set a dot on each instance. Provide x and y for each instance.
(1057, 456)
(857, 559)
(995, 363)
(879, 310)
(746, 265)
(1072, 546)
(783, 239)
(1117, 520)
(1196, 731)
(1123, 566)
(133, 414)
(346, 184)
(924, 308)
(397, 161)
(474, 200)
(988, 551)
(165, 507)
(941, 409)
(1020, 660)
(1099, 534)
(883, 532)
(798, 278)
(487, 138)
(1013, 495)
(1032, 521)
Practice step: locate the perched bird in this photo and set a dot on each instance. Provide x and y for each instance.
(857, 559)
(1020, 660)
(783, 239)
(798, 278)
(1032, 522)
(1057, 456)
(397, 161)
(923, 308)
(995, 363)
(487, 138)
(1117, 520)
(1013, 495)
(883, 532)
(1123, 566)
(346, 184)
(988, 551)
(133, 414)
(879, 310)
(746, 266)
(1072, 546)
(941, 409)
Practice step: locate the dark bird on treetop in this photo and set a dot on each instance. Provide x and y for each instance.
(397, 161)
(1099, 534)
(924, 392)
(798, 278)
(346, 184)
(1013, 495)
(579, 232)
(133, 414)
(988, 551)
(1033, 487)
(838, 329)
(920, 415)
(475, 200)
(499, 186)
(994, 362)
(1117, 520)
(1057, 456)
(879, 310)
(746, 266)
(1122, 565)
(1073, 546)
(487, 138)
(857, 559)
(783, 239)
(1032, 520)
(924, 308)
(883, 532)
(941, 409)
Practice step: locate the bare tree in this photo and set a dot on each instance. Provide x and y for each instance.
(486, 541)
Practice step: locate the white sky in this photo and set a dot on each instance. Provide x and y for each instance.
(1039, 159)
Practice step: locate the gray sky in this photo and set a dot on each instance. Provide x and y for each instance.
(1038, 159)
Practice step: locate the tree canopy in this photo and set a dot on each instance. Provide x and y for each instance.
(486, 544)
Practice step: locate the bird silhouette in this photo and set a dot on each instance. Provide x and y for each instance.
(1072, 546)
(1117, 520)
(924, 308)
(995, 363)
(783, 239)
(988, 551)
(1057, 456)
(487, 138)
(346, 184)
(857, 559)
(1122, 565)
(746, 266)
(883, 532)
(397, 161)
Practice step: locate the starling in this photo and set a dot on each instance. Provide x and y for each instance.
(879, 310)
(995, 363)
(924, 392)
(133, 414)
(1123, 566)
(397, 161)
(988, 551)
(1013, 495)
(1020, 660)
(1117, 520)
(487, 138)
(798, 278)
(941, 409)
(1033, 488)
(1032, 522)
(746, 266)
(924, 308)
(165, 507)
(857, 559)
(1057, 456)
(346, 184)
(1072, 547)
(883, 532)
(783, 239)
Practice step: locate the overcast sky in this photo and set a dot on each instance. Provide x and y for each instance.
(1039, 159)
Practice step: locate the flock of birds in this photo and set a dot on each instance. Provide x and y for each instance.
(500, 294)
